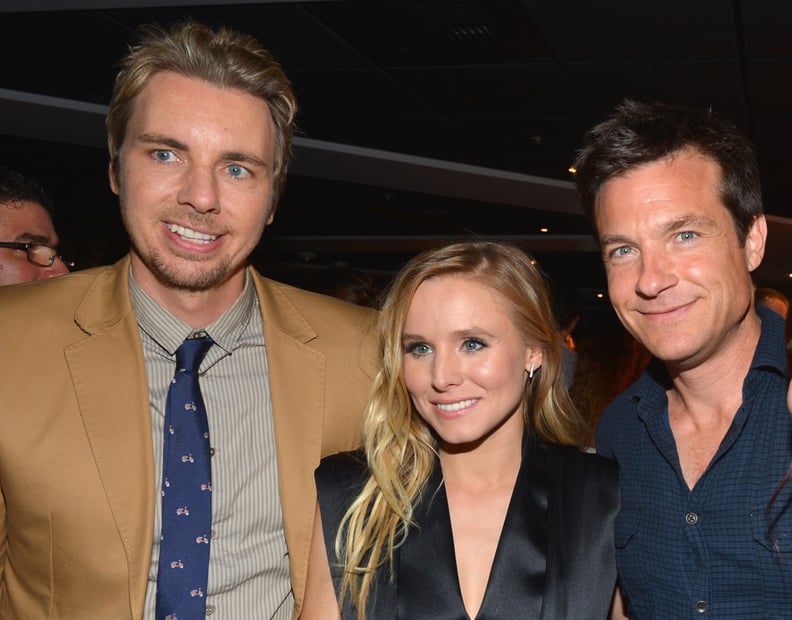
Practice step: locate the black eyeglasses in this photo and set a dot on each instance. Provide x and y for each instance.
(37, 253)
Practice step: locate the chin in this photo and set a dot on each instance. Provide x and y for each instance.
(190, 275)
(461, 443)
(676, 357)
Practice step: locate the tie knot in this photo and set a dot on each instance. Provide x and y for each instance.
(191, 352)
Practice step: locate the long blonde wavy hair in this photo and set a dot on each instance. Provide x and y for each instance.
(400, 447)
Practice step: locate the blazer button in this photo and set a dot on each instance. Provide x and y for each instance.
(702, 607)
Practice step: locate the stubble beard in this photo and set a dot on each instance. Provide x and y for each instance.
(200, 278)
(183, 273)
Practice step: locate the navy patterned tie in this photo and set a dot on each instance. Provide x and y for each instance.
(186, 492)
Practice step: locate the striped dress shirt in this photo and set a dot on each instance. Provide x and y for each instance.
(249, 567)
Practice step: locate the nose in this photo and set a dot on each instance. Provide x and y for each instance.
(446, 371)
(199, 190)
(656, 274)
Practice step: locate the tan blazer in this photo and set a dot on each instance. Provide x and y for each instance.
(77, 481)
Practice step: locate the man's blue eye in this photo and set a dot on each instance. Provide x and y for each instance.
(235, 170)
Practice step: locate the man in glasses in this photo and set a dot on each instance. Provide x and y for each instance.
(28, 241)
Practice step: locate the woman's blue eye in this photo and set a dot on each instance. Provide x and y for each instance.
(473, 345)
(419, 348)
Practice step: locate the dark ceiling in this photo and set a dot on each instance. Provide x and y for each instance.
(420, 121)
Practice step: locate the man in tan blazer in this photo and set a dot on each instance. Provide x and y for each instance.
(199, 133)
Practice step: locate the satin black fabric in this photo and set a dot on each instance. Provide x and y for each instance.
(555, 557)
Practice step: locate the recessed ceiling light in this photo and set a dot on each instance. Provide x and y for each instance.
(544, 229)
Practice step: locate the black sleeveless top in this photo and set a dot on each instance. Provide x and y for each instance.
(555, 557)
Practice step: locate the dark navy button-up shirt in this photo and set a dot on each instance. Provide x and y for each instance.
(708, 552)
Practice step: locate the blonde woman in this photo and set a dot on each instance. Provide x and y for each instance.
(469, 500)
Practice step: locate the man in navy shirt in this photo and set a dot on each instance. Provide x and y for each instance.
(704, 438)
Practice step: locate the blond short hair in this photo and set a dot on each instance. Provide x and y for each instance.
(224, 58)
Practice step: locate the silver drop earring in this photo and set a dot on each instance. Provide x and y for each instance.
(531, 371)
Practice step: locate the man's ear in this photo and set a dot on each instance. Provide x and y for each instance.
(273, 205)
(755, 242)
(113, 175)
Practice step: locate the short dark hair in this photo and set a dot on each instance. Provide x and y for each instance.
(15, 187)
(639, 133)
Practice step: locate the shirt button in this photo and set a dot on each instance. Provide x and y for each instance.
(210, 609)
(691, 518)
(211, 452)
(702, 606)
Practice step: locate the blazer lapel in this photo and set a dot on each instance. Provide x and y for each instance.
(108, 372)
(296, 378)
(428, 557)
(517, 579)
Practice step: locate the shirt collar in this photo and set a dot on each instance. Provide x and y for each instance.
(649, 391)
(771, 350)
(169, 332)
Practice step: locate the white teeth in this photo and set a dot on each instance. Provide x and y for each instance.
(456, 406)
(192, 235)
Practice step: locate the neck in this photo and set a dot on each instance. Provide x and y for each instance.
(197, 308)
(715, 385)
(485, 464)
